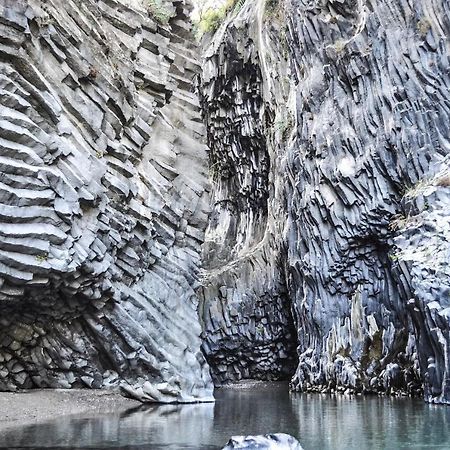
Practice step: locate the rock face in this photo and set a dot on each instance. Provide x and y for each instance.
(103, 199)
(422, 256)
(325, 255)
(278, 441)
(320, 116)
(245, 309)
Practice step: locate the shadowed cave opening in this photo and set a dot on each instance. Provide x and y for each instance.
(56, 341)
(259, 344)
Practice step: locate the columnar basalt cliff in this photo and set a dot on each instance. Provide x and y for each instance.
(321, 202)
(245, 310)
(326, 114)
(103, 198)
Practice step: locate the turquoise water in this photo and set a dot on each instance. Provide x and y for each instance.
(318, 421)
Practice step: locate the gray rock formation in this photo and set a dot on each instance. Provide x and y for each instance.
(245, 308)
(320, 115)
(103, 198)
(421, 258)
(325, 254)
(278, 441)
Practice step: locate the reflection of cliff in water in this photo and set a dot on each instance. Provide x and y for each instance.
(197, 426)
(341, 422)
(318, 421)
(161, 426)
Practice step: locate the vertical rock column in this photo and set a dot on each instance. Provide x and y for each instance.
(372, 80)
(321, 116)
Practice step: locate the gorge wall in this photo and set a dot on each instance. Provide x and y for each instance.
(309, 241)
(327, 125)
(103, 199)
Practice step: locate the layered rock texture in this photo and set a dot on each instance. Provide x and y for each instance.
(322, 117)
(103, 198)
(245, 311)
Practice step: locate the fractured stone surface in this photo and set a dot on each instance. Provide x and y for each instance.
(325, 255)
(103, 199)
(329, 111)
(247, 324)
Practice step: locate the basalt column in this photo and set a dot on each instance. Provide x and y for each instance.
(103, 198)
(372, 82)
(328, 131)
(245, 310)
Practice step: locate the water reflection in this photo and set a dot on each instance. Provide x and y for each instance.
(328, 423)
(320, 422)
(150, 427)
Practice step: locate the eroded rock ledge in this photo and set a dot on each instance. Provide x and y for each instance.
(103, 199)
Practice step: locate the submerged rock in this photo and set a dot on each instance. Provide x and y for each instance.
(278, 441)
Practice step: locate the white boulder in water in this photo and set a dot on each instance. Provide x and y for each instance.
(278, 441)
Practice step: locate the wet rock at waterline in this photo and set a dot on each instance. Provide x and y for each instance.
(103, 199)
(278, 441)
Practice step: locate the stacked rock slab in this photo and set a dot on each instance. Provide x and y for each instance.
(366, 118)
(103, 199)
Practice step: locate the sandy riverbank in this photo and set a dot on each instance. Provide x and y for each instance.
(29, 407)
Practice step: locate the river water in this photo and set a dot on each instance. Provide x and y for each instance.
(320, 422)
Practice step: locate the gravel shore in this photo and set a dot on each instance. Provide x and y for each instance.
(29, 407)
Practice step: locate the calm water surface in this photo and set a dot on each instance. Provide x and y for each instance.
(320, 422)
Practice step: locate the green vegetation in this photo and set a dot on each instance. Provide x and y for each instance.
(214, 171)
(159, 11)
(418, 188)
(398, 222)
(212, 18)
(272, 8)
(285, 125)
(41, 258)
(423, 26)
(339, 45)
(271, 4)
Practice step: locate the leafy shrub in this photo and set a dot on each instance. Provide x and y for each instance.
(159, 11)
(212, 18)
